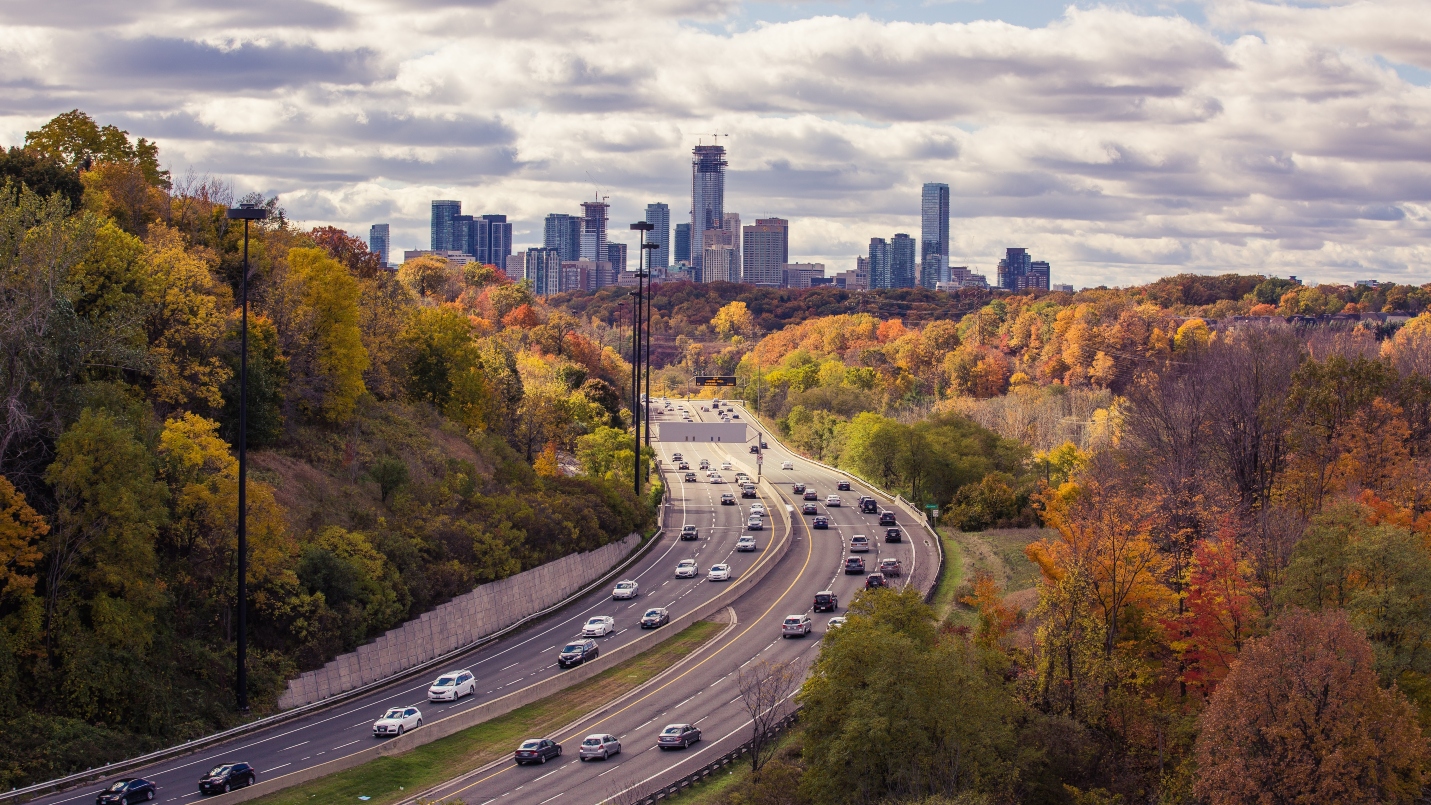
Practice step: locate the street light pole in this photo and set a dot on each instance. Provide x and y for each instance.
(650, 250)
(642, 227)
(245, 213)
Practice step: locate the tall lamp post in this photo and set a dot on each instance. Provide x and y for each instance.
(245, 213)
(649, 249)
(643, 227)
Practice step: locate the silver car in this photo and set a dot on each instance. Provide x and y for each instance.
(599, 745)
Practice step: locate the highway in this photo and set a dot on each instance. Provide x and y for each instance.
(706, 693)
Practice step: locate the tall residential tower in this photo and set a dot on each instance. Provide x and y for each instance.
(707, 195)
(659, 216)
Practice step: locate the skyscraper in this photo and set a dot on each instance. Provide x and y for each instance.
(464, 235)
(616, 256)
(443, 211)
(659, 216)
(593, 230)
(543, 270)
(380, 243)
(1039, 275)
(683, 243)
(901, 261)
(719, 263)
(934, 220)
(1014, 269)
(707, 194)
(563, 233)
(879, 264)
(766, 247)
(495, 243)
(933, 269)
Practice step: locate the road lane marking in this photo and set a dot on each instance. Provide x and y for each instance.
(295, 746)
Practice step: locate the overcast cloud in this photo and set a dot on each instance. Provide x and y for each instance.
(1119, 142)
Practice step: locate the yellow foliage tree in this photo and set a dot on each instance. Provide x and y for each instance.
(328, 299)
(188, 311)
(732, 320)
(21, 529)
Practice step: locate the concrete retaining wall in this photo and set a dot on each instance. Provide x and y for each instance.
(460, 622)
(531, 693)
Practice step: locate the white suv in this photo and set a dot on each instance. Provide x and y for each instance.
(795, 626)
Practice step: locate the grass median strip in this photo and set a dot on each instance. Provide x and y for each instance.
(389, 779)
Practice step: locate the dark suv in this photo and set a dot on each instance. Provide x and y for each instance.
(578, 652)
(123, 792)
(826, 601)
(893, 535)
(798, 489)
(225, 778)
(874, 580)
(886, 517)
(854, 566)
(869, 505)
(843, 486)
(689, 532)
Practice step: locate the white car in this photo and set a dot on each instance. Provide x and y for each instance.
(742, 478)
(716, 479)
(757, 508)
(726, 465)
(397, 721)
(755, 523)
(832, 500)
(745, 543)
(599, 626)
(787, 465)
(720, 572)
(687, 569)
(836, 622)
(624, 589)
(452, 686)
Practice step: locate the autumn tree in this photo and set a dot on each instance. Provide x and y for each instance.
(732, 320)
(326, 346)
(444, 365)
(21, 531)
(1301, 718)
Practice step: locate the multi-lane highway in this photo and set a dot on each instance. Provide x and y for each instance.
(706, 693)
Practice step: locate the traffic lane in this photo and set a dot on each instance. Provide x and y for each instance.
(502, 667)
(760, 610)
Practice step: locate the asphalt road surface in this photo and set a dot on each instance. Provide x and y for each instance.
(706, 693)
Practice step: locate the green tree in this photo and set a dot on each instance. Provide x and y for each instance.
(444, 365)
(100, 554)
(894, 711)
(607, 454)
(76, 140)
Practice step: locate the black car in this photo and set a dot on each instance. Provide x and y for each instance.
(843, 486)
(123, 792)
(748, 491)
(821, 523)
(655, 617)
(763, 445)
(754, 449)
(809, 508)
(854, 566)
(578, 652)
(678, 735)
(798, 489)
(874, 580)
(869, 505)
(683, 466)
(886, 517)
(536, 750)
(826, 601)
(225, 778)
(727, 499)
(893, 535)
(811, 494)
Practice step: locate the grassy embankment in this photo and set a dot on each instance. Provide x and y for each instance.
(389, 779)
(998, 552)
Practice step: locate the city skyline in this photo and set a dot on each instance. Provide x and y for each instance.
(1119, 143)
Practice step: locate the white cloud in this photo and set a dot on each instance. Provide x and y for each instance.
(1117, 145)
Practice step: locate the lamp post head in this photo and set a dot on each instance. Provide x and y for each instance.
(650, 245)
(246, 212)
(643, 226)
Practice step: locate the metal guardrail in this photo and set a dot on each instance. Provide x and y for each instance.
(706, 771)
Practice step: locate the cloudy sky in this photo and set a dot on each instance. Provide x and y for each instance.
(1119, 141)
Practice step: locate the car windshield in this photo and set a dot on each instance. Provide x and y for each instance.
(593, 622)
(219, 771)
(626, 585)
(530, 744)
(393, 714)
(674, 729)
(687, 562)
(573, 648)
(119, 786)
(444, 682)
(653, 613)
